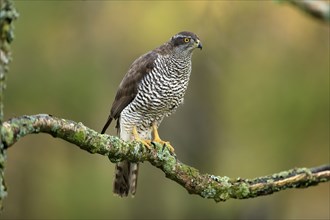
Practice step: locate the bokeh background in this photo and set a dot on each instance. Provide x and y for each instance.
(257, 103)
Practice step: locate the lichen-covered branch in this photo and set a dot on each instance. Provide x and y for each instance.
(319, 9)
(206, 185)
(7, 15)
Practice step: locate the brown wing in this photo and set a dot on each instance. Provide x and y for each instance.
(128, 87)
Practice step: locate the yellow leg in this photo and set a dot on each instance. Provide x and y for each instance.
(157, 138)
(146, 143)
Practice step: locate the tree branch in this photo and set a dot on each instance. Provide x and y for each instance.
(7, 14)
(316, 8)
(205, 185)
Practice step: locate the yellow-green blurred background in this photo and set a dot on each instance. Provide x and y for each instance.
(257, 103)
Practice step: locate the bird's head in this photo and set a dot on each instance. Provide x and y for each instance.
(185, 42)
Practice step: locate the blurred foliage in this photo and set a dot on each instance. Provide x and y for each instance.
(258, 103)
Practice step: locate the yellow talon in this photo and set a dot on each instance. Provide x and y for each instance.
(157, 139)
(146, 143)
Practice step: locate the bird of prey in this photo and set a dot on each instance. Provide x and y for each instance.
(152, 88)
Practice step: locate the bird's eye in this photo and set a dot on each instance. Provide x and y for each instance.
(186, 39)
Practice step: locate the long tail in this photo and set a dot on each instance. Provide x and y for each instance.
(105, 127)
(125, 181)
(126, 173)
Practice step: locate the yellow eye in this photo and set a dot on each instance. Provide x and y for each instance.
(186, 39)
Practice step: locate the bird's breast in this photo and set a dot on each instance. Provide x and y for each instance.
(163, 91)
(159, 94)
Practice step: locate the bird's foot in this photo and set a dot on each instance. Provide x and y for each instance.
(165, 143)
(146, 143)
(158, 140)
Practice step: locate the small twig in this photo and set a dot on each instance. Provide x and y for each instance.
(205, 185)
(316, 8)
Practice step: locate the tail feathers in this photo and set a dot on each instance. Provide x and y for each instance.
(125, 181)
(105, 127)
(134, 171)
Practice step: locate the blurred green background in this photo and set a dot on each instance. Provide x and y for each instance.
(257, 103)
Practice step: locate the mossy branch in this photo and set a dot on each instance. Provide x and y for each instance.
(206, 185)
(7, 15)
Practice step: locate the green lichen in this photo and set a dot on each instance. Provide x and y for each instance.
(192, 172)
(303, 170)
(223, 197)
(208, 192)
(269, 181)
(225, 190)
(242, 190)
(136, 149)
(218, 188)
(7, 135)
(164, 158)
(116, 142)
(114, 155)
(8, 13)
(281, 175)
(225, 181)
(121, 150)
(80, 135)
(208, 186)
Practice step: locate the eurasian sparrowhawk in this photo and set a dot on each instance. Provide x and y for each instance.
(152, 88)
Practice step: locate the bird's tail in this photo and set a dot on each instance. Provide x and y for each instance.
(107, 124)
(125, 181)
(126, 173)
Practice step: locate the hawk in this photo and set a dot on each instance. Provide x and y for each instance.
(152, 89)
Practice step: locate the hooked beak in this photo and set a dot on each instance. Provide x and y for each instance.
(199, 44)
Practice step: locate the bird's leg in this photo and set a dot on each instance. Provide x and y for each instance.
(157, 138)
(146, 143)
